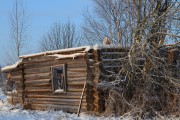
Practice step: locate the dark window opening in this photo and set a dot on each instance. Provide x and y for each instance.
(59, 79)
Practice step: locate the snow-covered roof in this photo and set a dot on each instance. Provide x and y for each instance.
(83, 48)
(10, 67)
(58, 54)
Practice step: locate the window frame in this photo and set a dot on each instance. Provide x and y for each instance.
(63, 66)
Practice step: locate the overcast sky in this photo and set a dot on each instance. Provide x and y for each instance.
(43, 13)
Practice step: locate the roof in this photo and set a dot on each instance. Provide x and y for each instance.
(58, 54)
(83, 49)
(10, 67)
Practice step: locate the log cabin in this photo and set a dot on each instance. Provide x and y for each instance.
(64, 79)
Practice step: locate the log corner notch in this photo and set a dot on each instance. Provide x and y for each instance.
(90, 83)
(24, 96)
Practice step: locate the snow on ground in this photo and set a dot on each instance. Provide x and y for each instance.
(10, 112)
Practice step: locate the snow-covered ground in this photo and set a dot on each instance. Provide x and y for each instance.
(10, 112)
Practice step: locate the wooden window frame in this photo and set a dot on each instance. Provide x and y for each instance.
(64, 78)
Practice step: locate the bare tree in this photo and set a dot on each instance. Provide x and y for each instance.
(147, 80)
(18, 25)
(60, 36)
(128, 22)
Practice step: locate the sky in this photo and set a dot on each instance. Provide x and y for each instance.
(42, 14)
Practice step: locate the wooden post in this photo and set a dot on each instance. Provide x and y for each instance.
(79, 109)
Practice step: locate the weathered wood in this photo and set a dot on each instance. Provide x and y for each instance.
(76, 69)
(39, 90)
(62, 96)
(54, 62)
(55, 94)
(62, 51)
(19, 72)
(77, 65)
(37, 70)
(56, 107)
(36, 88)
(38, 76)
(74, 90)
(37, 81)
(16, 77)
(77, 79)
(81, 99)
(39, 84)
(57, 102)
(76, 83)
(77, 75)
(38, 59)
(46, 58)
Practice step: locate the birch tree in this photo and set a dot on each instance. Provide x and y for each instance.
(18, 26)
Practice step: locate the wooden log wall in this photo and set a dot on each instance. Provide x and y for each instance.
(34, 83)
(38, 84)
(15, 96)
(109, 66)
(108, 60)
(93, 77)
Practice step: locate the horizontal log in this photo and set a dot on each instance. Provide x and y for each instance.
(76, 69)
(57, 103)
(56, 107)
(50, 62)
(16, 73)
(37, 81)
(62, 96)
(15, 77)
(37, 76)
(55, 100)
(76, 86)
(77, 65)
(50, 91)
(47, 84)
(74, 90)
(76, 83)
(37, 88)
(38, 59)
(37, 70)
(62, 51)
(77, 79)
(55, 94)
(78, 75)
(60, 104)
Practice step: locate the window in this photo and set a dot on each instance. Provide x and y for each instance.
(59, 78)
